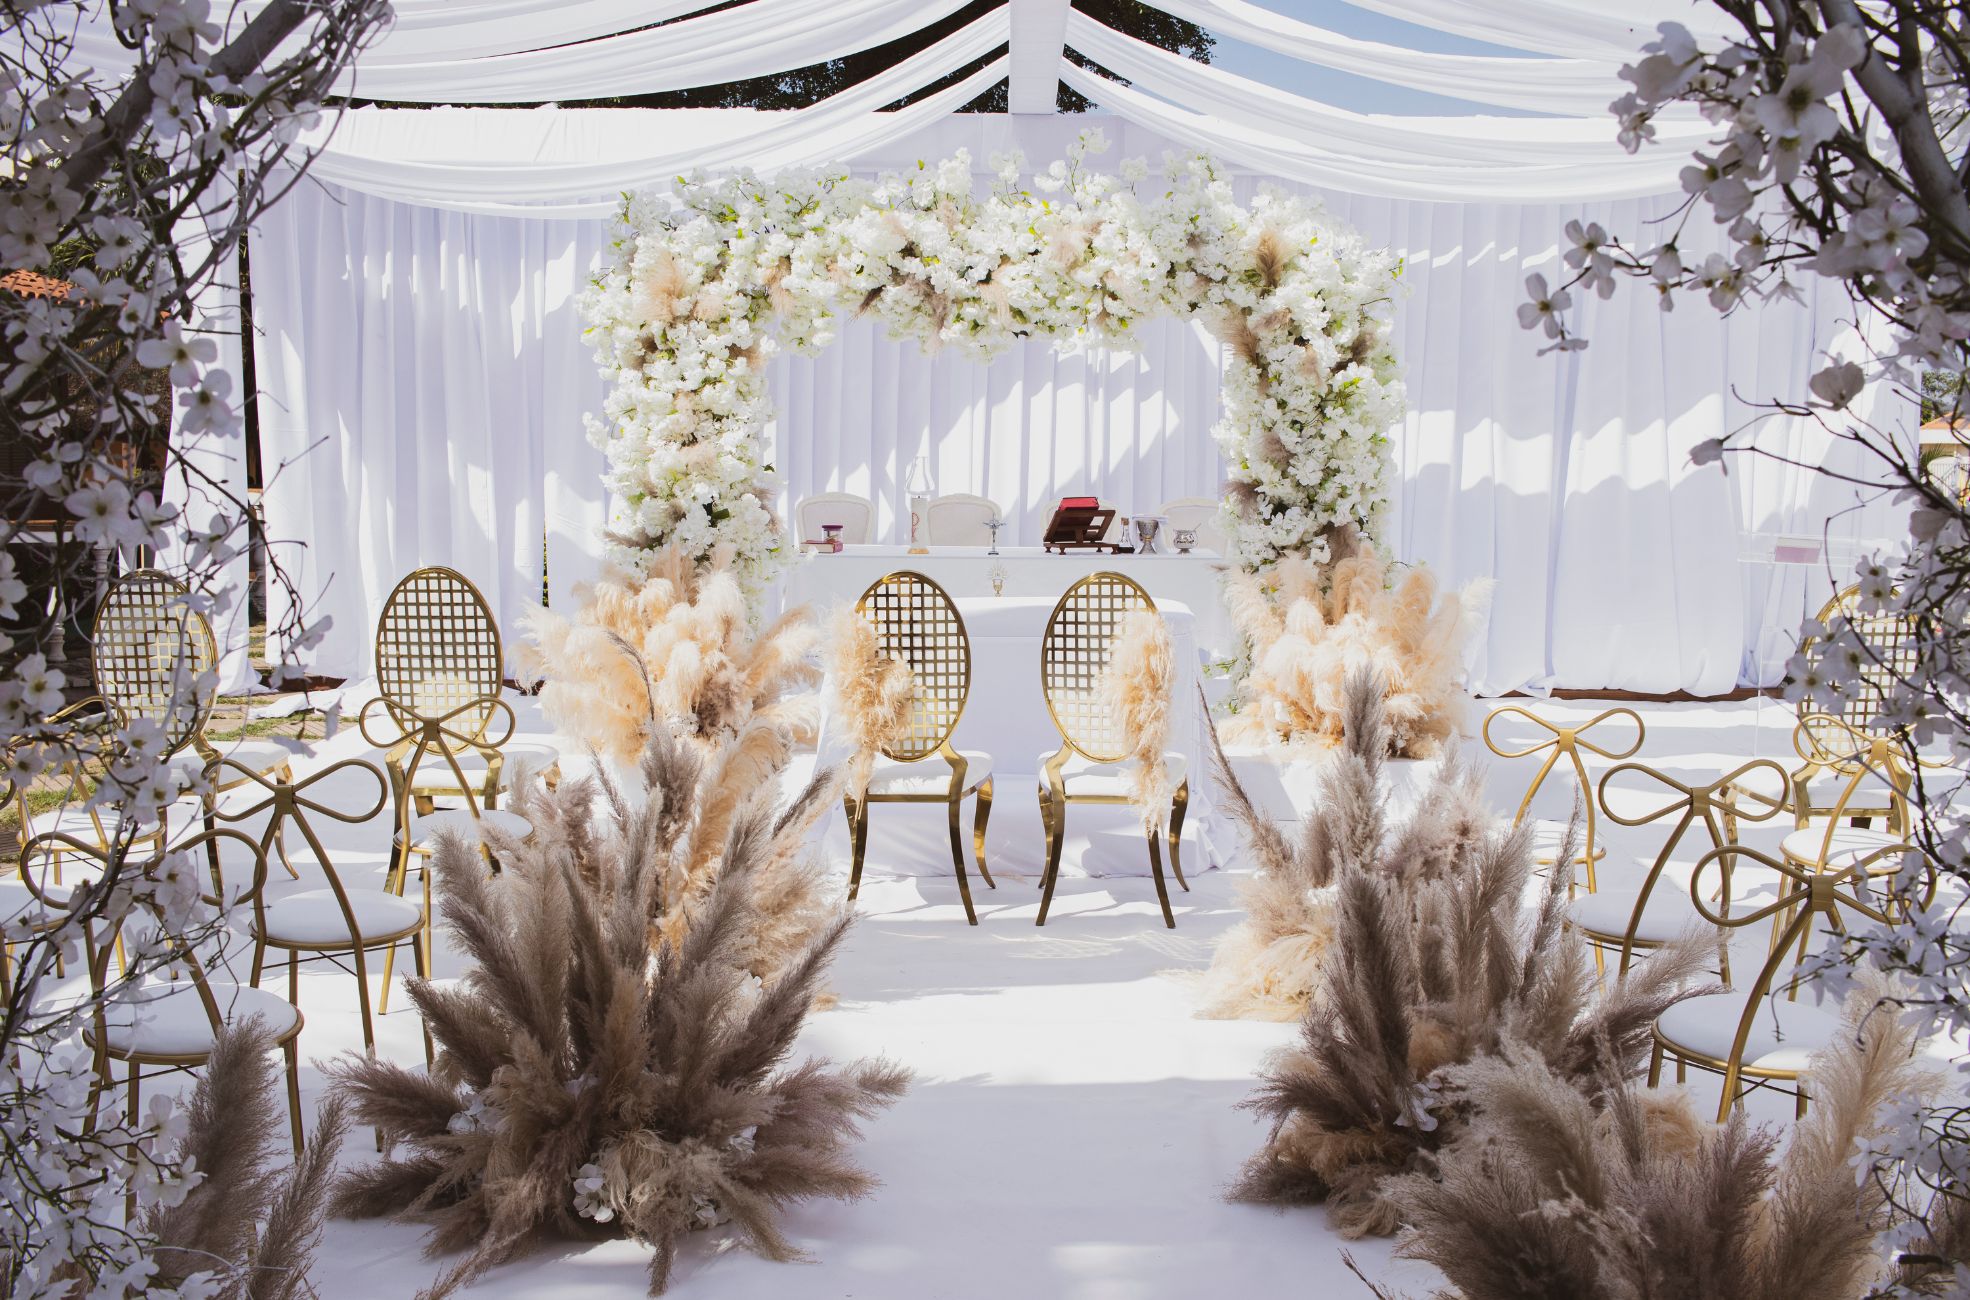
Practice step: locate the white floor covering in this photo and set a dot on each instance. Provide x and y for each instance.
(1071, 1125)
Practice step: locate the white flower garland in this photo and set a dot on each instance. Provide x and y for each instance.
(711, 279)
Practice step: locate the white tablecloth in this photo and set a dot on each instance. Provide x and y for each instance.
(1194, 581)
(1006, 716)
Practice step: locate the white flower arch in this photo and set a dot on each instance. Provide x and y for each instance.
(710, 279)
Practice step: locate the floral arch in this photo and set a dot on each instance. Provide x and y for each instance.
(711, 278)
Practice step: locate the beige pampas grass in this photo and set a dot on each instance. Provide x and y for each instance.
(1310, 628)
(872, 692)
(1136, 687)
(674, 651)
(591, 1085)
(1572, 1187)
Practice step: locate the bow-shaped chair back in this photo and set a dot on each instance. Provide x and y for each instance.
(441, 741)
(1565, 743)
(289, 803)
(1868, 761)
(1717, 807)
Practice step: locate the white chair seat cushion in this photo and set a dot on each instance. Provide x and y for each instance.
(1085, 777)
(1783, 1036)
(426, 828)
(1668, 916)
(261, 756)
(930, 775)
(18, 903)
(1546, 836)
(315, 917)
(1850, 845)
(163, 1020)
(435, 775)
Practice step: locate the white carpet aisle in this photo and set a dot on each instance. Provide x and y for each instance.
(1070, 1126)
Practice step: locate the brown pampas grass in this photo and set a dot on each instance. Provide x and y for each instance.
(1269, 257)
(872, 692)
(672, 651)
(1616, 1190)
(252, 1220)
(1440, 969)
(591, 1086)
(1310, 627)
(1135, 686)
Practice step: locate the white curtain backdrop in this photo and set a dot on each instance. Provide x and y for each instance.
(439, 356)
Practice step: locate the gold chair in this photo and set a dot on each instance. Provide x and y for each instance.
(338, 920)
(1759, 1036)
(1566, 742)
(438, 674)
(1089, 765)
(917, 625)
(1891, 637)
(168, 1015)
(1873, 765)
(1630, 917)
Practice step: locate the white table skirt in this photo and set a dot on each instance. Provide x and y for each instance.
(1194, 581)
(1006, 716)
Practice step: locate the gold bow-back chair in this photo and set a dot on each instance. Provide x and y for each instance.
(443, 725)
(1876, 776)
(1765, 1036)
(918, 625)
(1826, 738)
(165, 1012)
(1089, 767)
(338, 921)
(1629, 914)
(1564, 743)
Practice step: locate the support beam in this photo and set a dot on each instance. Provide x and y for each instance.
(1039, 30)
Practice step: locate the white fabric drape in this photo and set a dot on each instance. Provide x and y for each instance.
(1587, 29)
(1564, 477)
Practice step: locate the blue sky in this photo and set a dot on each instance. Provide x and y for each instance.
(1344, 90)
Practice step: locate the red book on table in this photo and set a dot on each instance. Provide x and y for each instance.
(1088, 503)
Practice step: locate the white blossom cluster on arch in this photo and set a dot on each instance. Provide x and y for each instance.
(712, 278)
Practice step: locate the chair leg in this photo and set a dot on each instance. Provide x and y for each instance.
(956, 809)
(362, 997)
(1046, 826)
(858, 843)
(389, 964)
(1055, 816)
(1162, 891)
(1178, 806)
(423, 973)
(983, 815)
(290, 1049)
(1729, 1098)
(1799, 1107)
(1655, 1066)
(259, 961)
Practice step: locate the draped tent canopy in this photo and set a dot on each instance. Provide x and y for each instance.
(459, 235)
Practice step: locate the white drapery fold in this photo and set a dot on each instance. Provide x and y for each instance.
(1564, 477)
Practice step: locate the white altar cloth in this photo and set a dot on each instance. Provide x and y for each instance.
(1006, 716)
(1194, 581)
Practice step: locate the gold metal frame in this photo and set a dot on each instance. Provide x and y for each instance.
(1567, 742)
(184, 963)
(1079, 641)
(1812, 893)
(1889, 633)
(1719, 806)
(286, 802)
(918, 625)
(1828, 742)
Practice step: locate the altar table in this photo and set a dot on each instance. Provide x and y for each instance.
(1194, 581)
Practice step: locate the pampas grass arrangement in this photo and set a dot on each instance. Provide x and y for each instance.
(593, 1086)
(674, 651)
(1615, 1190)
(253, 1220)
(1310, 628)
(1269, 966)
(872, 692)
(1440, 969)
(1135, 686)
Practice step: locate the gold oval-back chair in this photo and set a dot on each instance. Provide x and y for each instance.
(170, 1018)
(1627, 918)
(441, 722)
(917, 624)
(1824, 738)
(1566, 742)
(1074, 654)
(1757, 1036)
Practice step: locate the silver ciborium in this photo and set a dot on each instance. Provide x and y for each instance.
(1145, 534)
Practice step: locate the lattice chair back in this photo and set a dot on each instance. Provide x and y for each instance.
(1892, 639)
(438, 651)
(152, 656)
(1074, 655)
(917, 624)
(1566, 743)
